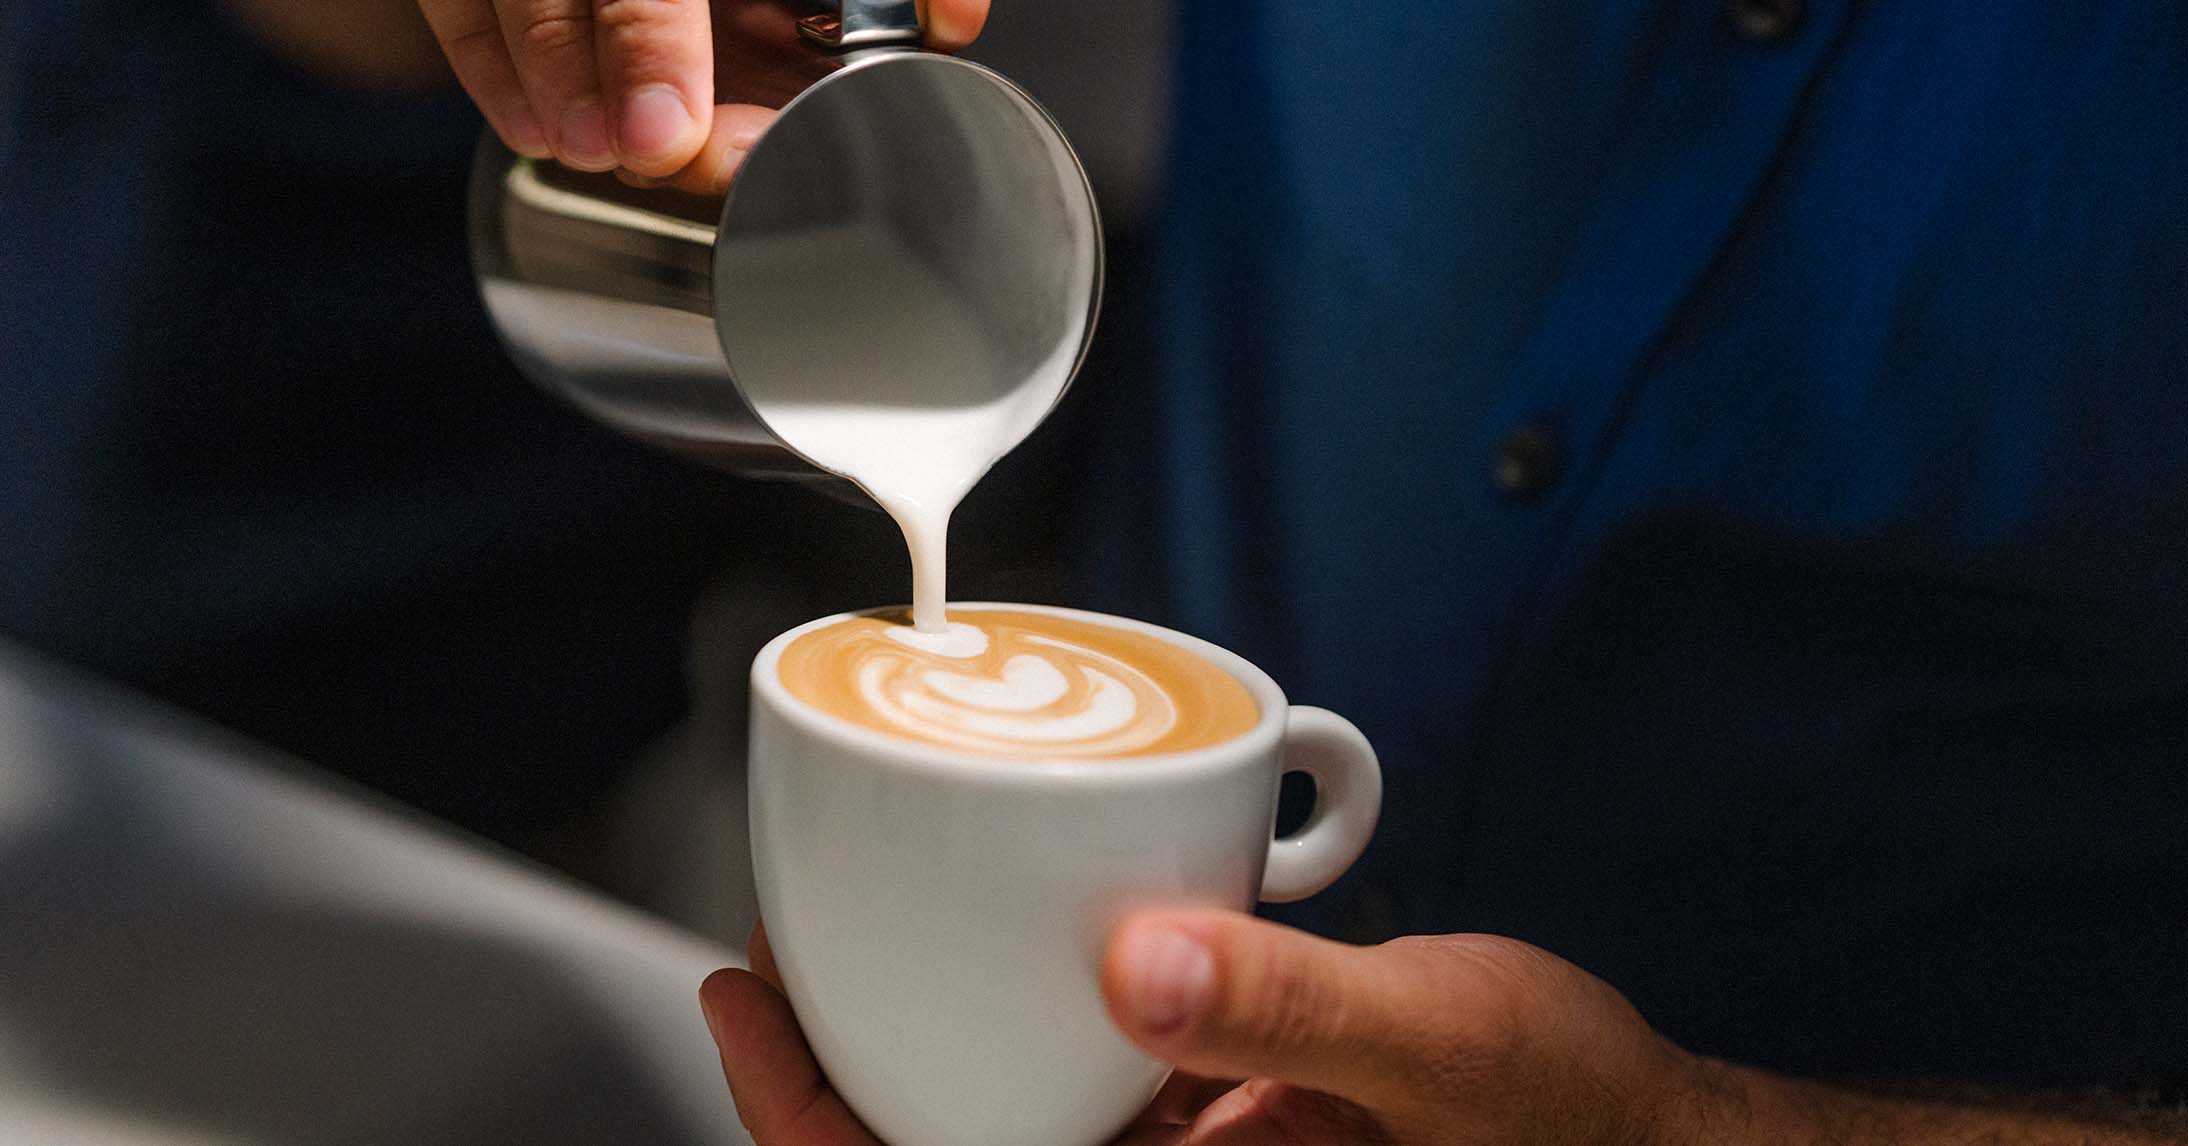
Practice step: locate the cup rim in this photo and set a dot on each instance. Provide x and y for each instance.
(767, 688)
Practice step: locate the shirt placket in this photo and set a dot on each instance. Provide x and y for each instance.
(1711, 100)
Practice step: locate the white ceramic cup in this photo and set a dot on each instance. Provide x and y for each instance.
(939, 916)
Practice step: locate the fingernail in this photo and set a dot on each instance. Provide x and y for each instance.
(655, 121)
(526, 137)
(585, 141)
(1172, 976)
(706, 1006)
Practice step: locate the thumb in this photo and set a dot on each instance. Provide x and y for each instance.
(1225, 995)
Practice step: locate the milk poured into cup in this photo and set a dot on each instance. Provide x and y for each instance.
(891, 405)
(891, 294)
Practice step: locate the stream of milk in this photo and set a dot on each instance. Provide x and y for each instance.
(895, 409)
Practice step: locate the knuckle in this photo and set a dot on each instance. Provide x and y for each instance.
(552, 34)
(1279, 1005)
(644, 39)
(1485, 1054)
(1486, 972)
(472, 46)
(640, 16)
(1486, 992)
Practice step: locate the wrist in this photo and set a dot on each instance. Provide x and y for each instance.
(1722, 1104)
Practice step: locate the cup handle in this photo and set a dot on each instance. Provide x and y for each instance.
(1348, 798)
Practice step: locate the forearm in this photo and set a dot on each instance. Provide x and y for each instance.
(1749, 1106)
(372, 43)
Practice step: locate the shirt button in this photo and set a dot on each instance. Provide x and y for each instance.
(1529, 462)
(1766, 21)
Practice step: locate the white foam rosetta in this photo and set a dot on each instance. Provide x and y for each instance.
(1047, 694)
(1028, 685)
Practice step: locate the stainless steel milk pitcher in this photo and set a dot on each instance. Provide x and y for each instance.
(912, 229)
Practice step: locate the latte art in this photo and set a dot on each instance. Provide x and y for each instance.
(1053, 694)
(1018, 684)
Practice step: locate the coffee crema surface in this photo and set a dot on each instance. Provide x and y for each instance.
(1009, 683)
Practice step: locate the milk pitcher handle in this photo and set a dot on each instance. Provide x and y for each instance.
(1348, 799)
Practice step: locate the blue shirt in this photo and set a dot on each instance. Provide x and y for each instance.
(1817, 673)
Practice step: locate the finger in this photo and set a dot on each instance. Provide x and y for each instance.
(1182, 1098)
(781, 1096)
(551, 44)
(1168, 1135)
(470, 36)
(711, 1009)
(656, 63)
(1264, 1110)
(736, 128)
(1224, 994)
(761, 955)
(953, 24)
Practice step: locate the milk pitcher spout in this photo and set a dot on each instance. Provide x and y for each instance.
(911, 233)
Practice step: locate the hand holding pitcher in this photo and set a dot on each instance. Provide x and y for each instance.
(633, 84)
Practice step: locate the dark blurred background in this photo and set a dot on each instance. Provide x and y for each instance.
(264, 457)
(1725, 455)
